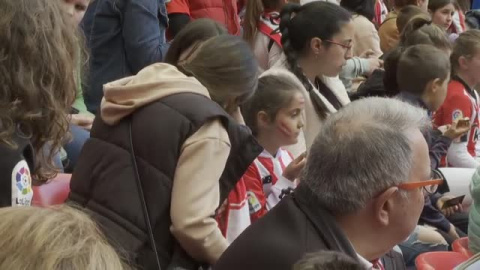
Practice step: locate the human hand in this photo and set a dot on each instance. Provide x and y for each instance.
(82, 120)
(457, 128)
(453, 232)
(374, 64)
(292, 171)
(450, 210)
(367, 54)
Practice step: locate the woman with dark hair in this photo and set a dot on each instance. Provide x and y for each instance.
(315, 52)
(366, 35)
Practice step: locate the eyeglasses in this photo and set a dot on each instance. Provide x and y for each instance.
(430, 186)
(343, 45)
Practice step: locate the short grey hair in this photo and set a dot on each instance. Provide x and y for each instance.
(362, 150)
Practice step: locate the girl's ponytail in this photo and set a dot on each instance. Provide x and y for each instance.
(414, 24)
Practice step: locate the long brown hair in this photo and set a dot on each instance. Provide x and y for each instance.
(197, 31)
(226, 66)
(253, 11)
(38, 54)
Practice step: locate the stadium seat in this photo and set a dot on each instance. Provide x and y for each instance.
(461, 246)
(440, 260)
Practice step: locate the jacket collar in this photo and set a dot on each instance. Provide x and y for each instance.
(467, 87)
(323, 221)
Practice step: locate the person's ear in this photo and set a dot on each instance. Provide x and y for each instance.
(384, 206)
(463, 62)
(316, 46)
(434, 85)
(263, 119)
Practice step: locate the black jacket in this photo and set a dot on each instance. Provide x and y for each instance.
(104, 181)
(296, 226)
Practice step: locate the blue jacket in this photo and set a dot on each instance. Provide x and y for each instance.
(437, 146)
(123, 37)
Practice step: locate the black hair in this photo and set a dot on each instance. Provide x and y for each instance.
(365, 8)
(299, 25)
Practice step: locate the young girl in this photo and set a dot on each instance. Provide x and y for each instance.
(260, 30)
(462, 100)
(36, 93)
(76, 9)
(442, 12)
(315, 51)
(274, 114)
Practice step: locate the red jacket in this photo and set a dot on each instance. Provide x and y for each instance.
(222, 11)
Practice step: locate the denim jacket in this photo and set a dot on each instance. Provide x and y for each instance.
(123, 37)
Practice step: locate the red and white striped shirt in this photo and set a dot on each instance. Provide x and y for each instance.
(259, 190)
(381, 12)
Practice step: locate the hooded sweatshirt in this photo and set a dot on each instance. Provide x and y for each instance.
(196, 187)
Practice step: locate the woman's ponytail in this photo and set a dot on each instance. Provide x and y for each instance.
(288, 11)
(286, 14)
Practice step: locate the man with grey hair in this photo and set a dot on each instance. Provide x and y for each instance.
(361, 192)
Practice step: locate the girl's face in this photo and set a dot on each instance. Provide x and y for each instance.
(336, 51)
(76, 9)
(443, 16)
(288, 122)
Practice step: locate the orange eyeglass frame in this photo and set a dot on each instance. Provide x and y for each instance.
(419, 184)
